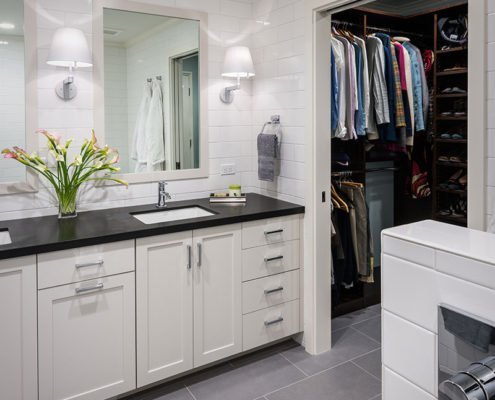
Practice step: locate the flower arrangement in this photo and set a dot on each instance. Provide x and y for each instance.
(68, 176)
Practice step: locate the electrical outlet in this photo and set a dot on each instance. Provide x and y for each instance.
(228, 169)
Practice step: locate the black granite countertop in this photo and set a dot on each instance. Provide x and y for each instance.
(44, 234)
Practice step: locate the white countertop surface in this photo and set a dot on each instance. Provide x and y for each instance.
(465, 242)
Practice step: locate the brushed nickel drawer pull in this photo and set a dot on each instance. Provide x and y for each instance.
(90, 264)
(270, 291)
(268, 259)
(90, 288)
(189, 257)
(273, 232)
(274, 321)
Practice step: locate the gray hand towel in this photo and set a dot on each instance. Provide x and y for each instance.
(267, 156)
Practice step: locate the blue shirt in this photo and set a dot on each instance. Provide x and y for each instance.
(359, 120)
(335, 93)
(416, 66)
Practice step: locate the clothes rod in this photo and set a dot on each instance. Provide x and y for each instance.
(376, 28)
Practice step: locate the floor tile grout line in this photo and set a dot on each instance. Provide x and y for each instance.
(190, 392)
(365, 354)
(369, 373)
(368, 336)
(300, 369)
(356, 323)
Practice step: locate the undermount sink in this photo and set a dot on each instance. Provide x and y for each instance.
(174, 214)
(5, 237)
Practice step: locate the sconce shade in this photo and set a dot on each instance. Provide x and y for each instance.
(238, 63)
(69, 49)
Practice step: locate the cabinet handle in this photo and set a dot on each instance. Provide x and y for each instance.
(268, 259)
(200, 255)
(274, 321)
(88, 289)
(189, 257)
(273, 232)
(270, 291)
(89, 264)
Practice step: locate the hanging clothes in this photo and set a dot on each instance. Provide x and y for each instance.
(416, 67)
(138, 151)
(339, 129)
(155, 140)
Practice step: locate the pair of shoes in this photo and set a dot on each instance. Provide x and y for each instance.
(452, 159)
(458, 181)
(454, 90)
(455, 68)
(452, 136)
(453, 114)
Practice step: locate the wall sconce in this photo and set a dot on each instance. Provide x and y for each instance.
(69, 49)
(238, 64)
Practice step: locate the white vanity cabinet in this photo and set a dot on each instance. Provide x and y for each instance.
(185, 280)
(86, 328)
(18, 363)
(217, 293)
(164, 300)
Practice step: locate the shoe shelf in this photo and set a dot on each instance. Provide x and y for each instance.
(451, 95)
(452, 219)
(452, 164)
(458, 141)
(451, 191)
(451, 50)
(454, 72)
(440, 118)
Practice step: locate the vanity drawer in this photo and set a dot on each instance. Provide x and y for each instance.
(270, 291)
(408, 251)
(270, 230)
(268, 260)
(270, 324)
(83, 263)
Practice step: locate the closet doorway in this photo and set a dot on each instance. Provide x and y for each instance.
(409, 154)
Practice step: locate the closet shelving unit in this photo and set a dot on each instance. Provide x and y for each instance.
(445, 59)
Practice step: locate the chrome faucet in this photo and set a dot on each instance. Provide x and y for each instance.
(163, 195)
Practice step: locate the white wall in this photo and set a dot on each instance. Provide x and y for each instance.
(229, 126)
(12, 112)
(116, 104)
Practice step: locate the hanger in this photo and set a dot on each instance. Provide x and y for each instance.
(341, 204)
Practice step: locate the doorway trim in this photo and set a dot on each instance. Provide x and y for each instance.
(317, 253)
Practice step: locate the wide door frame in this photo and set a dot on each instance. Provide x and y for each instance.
(317, 253)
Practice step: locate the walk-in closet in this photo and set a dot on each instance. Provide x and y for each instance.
(399, 129)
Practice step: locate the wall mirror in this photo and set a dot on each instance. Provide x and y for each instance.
(18, 93)
(150, 89)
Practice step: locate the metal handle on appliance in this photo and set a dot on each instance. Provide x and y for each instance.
(268, 259)
(274, 321)
(189, 257)
(90, 264)
(273, 232)
(90, 288)
(270, 291)
(200, 256)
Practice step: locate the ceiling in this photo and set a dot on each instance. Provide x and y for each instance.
(127, 25)
(410, 8)
(12, 11)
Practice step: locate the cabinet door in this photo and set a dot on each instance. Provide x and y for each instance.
(18, 334)
(164, 306)
(87, 339)
(217, 293)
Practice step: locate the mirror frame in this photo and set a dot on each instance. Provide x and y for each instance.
(31, 182)
(99, 84)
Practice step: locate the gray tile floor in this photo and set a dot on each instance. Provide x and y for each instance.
(350, 371)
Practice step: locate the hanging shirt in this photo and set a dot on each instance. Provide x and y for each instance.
(410, 96)
(399, 51)
(366, 81)
(416, 67)
(379, 104)
(351, 95)
(359, 119)
(387, 131)
(400, 119)
(338, 50)
(335, 92)
(424, 84)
